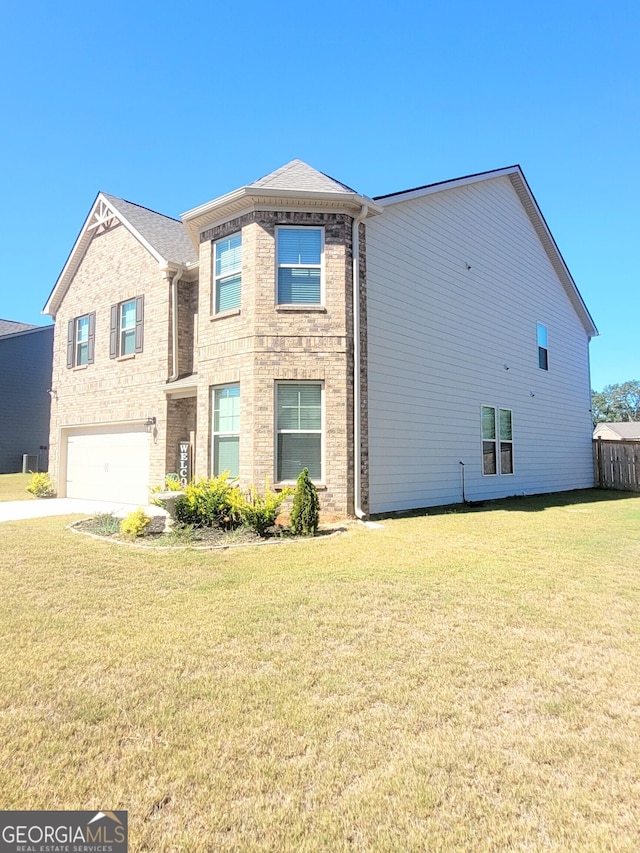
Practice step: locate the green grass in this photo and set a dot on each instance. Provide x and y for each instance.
(13, 487)
(455, 681)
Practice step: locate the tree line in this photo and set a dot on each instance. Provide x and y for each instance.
(616, 403)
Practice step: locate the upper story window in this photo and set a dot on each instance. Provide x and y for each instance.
(127, 327)
(497, 441)
(543, 351)
(227, 276)
(299, 261)
(81, 332)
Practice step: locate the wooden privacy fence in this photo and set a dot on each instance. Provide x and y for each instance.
(617, 464)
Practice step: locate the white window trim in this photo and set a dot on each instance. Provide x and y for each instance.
(215, 278)
(78, 343)
(322, 430)
(499, 472)
(539, 345)
(301, 305)
(122, 329)
(215, 433)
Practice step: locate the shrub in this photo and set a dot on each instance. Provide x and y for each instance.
(136, 523)
(105, 524)
(41, 486)
(207, 503)
(259, 511)
(306, 507)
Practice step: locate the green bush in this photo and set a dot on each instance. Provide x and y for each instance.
(104, 524)
(207, 503)
(41, 486)
(256, 511)
(306, 507)
(136, 523)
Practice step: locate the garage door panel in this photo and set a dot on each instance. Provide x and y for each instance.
(109, 466)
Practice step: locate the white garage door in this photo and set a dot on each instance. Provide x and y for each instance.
(109, 466)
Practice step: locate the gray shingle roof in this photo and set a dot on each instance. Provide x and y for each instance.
(298, 175)
(168, 236)
(625, 429)
(11, 327)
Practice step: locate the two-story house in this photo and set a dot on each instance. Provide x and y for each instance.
(409, 350)
(25, 379)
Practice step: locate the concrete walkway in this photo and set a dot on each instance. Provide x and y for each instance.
(20, 510)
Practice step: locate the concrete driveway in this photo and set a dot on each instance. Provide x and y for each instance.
(20, 510)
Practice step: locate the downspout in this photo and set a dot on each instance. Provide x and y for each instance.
(174, 275)
(357, 450)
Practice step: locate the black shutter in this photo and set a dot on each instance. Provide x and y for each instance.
(113, 333)
(92, 338)
(70, 342)
(139, 323)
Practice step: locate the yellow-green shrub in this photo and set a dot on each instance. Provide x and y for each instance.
(259, 511)
(136, 523)
(41, 486)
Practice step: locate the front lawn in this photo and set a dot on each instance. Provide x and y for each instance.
(457, 681)
(13, 487)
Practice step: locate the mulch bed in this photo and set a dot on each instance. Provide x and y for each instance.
(200, 537)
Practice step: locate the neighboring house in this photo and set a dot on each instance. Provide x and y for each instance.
(623, 431)
(235, 340)
(26, 352)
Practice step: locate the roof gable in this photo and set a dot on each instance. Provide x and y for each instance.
(623, 429)
(530, 205)
(164, 238)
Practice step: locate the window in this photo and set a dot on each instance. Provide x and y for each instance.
(299, 430)
(126, 331)
(543, 353)
(227, 276)
(497, 435)
(225, 454)
(81, 333)
(299, 253)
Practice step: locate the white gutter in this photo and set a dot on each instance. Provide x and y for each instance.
(357, 452)
(173, 274)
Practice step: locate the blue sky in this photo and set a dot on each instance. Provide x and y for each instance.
(172, 104)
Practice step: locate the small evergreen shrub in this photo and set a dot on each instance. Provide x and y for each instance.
(207, 503)
(259, 512)
(41, 486)
(136, 523)
(306, 507)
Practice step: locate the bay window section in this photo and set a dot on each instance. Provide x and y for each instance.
(298, 430)
(227, 274)
(225, 452)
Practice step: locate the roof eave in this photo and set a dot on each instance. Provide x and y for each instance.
(232, 204)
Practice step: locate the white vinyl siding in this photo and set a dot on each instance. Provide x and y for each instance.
(227, 274)
(298, 430)
(225, 453)
(440, 336)
(299, 261)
